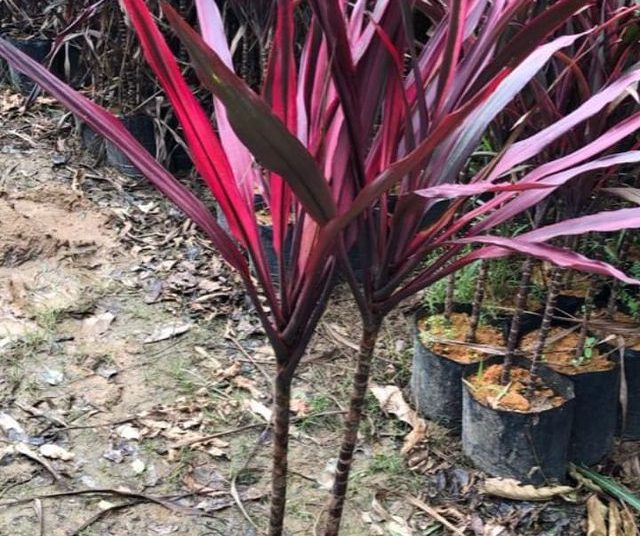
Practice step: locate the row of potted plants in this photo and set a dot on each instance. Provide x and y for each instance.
(526, 415)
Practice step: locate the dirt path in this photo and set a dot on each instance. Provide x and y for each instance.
(125, 344)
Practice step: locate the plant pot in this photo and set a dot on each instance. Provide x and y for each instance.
(34, 48)
(531, 447)
(265, 232)
(596, 414)
(629, 418)
(91, 140)
(436, 379)
(596, 384)
(142, 128)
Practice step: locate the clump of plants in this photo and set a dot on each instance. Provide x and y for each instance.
(331, 133)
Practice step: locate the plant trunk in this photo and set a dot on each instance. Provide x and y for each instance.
(549, 310)
(514, 330)
(352, 423)
(282, 395)
(478, 296)
(448, 299)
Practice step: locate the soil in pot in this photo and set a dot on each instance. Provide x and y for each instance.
(596, 381)
(439, 362)
(142, 128)
(520, 430)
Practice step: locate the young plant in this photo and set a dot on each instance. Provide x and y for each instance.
(298, 197)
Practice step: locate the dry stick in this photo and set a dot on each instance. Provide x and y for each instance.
(552, 295)
(584, 327)
(102, 513)
(352, 423)
(435, 515)
(514, 329)
(478, 296)
(448, 300)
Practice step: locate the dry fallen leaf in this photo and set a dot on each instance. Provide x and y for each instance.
(615, 521)
(97, 325)
(300, 407)
(259, 409)
(126, 431)
(596, 512)
(167, 332)
(9, 424)
(245, 383)
(56, 453)
(391, 401)
(509, 488)
(138, 466)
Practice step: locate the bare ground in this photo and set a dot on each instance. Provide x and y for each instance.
(126, 342)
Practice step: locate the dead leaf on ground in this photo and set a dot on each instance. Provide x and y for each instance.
(258, 408)
(509, 488)
(126, 431)
(596, 512)
(300, 407)
(391, 401)
(56, 452)
(615, 520)
(249, 385)
(97, 325)
(167, 332)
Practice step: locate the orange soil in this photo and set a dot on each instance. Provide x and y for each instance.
(560, 354)
(456, 330)
(523, 394)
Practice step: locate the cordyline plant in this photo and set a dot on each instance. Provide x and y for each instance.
(339, 131)
(572, 77)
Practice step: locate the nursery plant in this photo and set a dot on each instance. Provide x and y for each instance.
(338, 128)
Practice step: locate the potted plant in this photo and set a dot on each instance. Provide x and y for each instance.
(446, 343)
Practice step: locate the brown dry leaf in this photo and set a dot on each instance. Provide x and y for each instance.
(509, 488)
(97, 325)
(245, 383)
(300, 407)
(56, 452)
(615, 521)
(258, 408)
(391, 401)
(629, 526)
(596, 512)
(18, 292)
(231, 371)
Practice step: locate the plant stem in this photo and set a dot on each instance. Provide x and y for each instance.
(478, 297)
(448, 300)
(514, 330)
(584, 327)
(549, 310)
(352, 423)
(282, 395)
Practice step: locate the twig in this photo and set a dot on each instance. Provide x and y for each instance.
(37, 506)
(23, 449)
(435, 515)
(248, 427)
(234, 489)
(108, 491)
(102, 513)
(248, 356)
